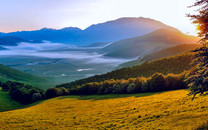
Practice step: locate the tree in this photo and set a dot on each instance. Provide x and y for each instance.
(198, 82)
(131, 88)
(52, 92)
(201, 19)
(157, 82)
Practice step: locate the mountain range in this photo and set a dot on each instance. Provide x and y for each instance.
(110, 31)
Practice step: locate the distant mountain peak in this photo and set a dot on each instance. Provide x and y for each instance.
(46, 29)
(71, 29)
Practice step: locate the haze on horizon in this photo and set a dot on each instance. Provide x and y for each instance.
(18, 15)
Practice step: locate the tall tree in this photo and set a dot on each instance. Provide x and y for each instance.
(201, 19)
(198, 82)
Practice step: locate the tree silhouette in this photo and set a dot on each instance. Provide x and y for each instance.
(198, 82)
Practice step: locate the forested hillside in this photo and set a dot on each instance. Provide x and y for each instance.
(175, 65)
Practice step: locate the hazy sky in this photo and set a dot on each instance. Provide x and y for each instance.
(17, 15)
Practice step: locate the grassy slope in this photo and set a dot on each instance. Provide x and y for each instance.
(172, 51)
(11, 74)
(14, 74)
(6, 103)
(168, 110)
(147, 44)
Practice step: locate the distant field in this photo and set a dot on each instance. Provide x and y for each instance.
(168, 110)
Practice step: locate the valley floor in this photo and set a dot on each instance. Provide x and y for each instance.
(168, 110)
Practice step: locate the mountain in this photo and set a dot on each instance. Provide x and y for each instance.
(11, 41)
(147, 44)
(123, 28)
(104, 32)
(172, 51)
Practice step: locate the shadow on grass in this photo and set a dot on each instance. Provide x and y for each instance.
(203, 127)
(107, 96)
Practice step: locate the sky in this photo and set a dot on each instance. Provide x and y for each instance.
(19, 15)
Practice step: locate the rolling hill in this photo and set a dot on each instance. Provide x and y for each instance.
(168, 110)
(104, 32)
(7, 73)
(147, 44)
(172, 51)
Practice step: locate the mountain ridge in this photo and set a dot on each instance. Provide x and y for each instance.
(148, 43)
(109, 31)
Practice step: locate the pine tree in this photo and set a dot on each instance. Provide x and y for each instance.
(198, 82)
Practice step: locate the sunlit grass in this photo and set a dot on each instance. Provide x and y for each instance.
(168, 110)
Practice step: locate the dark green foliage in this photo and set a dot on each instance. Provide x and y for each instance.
(23, 93)
(131, 88)
(52, 92)
(157, 82)
(198, 79)
(64, 91)
(173, 81)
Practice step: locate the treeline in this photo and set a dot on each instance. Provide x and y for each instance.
(156, 83)
(175, 65)
(26, 93)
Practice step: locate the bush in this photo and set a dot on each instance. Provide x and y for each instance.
(53, 92)
(36, 97)
(131, 88)
(64, 91)
(157, 82)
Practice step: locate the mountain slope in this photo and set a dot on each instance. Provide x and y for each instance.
(11, 41)
(147, 44)
(104, 32)
(172, 51)
(7, 73)
(124, 28)
(168, 110)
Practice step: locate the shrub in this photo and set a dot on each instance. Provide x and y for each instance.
(131, 88)
(64, 91)
(36, 97)
(157, 82)
(53, 92)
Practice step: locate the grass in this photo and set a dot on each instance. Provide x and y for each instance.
(107, 96)
(8, 104)
(168, 110)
